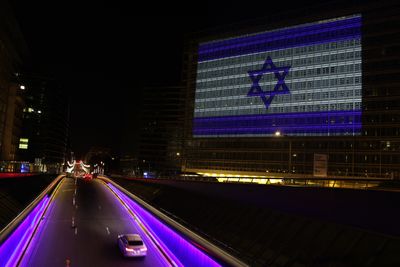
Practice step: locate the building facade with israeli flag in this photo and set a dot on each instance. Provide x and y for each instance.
(268, 97)
(304, 80)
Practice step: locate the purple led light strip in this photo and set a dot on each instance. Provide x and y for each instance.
(49, 209)
(187, 253)
(11, 250)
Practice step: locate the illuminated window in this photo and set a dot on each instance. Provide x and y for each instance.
(23, 143)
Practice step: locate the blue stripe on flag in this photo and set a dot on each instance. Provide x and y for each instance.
(319, 33)
(328, 122)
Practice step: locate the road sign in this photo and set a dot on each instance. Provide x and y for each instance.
(320, 165)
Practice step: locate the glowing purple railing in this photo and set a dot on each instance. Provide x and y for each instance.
(186, 252)
(13, 248)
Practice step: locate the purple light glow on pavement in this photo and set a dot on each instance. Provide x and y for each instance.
(12, 249)
(148, 235)
(38, 234)
(186, 252)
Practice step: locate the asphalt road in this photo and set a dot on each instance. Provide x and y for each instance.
(98, 216)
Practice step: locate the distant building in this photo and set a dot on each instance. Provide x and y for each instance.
(98, 153)
(310, 92)
(161, 130)
(45, 130)
(102, 160)
(128, 165)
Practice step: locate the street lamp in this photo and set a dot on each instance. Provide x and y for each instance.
(278, 134)
(148, 164)
(290, 156)
(385, 147)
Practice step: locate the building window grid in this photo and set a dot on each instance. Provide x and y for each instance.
(320, 70)
(340, 80)
(344, 168)
(258, 58)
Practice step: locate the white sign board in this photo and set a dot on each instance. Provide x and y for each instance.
(320, 165)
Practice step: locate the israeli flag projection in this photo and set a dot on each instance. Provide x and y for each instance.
(304, 80)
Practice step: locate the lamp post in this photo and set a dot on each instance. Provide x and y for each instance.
(278, 134)
(380, 159)
(290, 156)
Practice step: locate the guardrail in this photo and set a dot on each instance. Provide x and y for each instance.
(15, 237)
(169, 225)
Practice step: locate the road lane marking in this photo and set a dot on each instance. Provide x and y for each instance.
(73, 201)
(76, 230)
(99, 207)
(108, 231)
(73, 222)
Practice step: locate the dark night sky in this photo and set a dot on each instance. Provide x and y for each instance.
(103, 53)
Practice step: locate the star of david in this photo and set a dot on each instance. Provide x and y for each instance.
(280, 87)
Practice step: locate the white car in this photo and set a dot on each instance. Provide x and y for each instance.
(131, 245)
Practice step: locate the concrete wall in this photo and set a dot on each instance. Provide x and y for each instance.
(373, 210)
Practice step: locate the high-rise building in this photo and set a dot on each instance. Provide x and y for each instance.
(13, 123)
(160, 143)
(302, 93)
(13, 50)
(100, 159)
(128, 165)
(45, 125)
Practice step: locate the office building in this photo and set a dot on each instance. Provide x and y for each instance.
(45, 130)
(12, 54)
(161, 130)
(303, 93)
